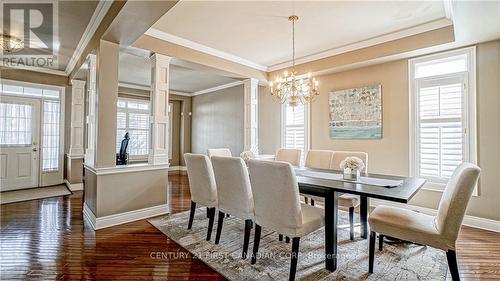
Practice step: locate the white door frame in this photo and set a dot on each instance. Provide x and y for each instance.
(46, 178)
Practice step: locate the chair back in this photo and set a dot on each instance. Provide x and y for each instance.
(319, 159)
(289, 155)
(123, 147)
(201, 179)
(276, 195)
(234, 193)
(338, 156)
(219, 152)
(456, 196)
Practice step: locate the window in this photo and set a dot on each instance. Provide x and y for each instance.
(133, 117)
(50, 143)
(442, 114)
(295, 127)
(15, 124)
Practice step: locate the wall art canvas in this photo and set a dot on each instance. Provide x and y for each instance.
(356, 113)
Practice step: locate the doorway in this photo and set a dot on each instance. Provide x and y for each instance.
(31, 138)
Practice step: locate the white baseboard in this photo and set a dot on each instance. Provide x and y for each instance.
(73, 186)
(472, 221)
(121, 218)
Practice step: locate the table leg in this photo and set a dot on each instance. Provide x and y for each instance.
(363, 210)
(331, 214)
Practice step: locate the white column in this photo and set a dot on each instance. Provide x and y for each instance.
(158, 152)
(251, 115)
(77, 118)
(91, 116)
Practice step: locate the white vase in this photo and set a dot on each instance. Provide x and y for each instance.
(351, 174)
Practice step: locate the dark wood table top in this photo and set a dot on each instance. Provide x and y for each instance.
(309, 184)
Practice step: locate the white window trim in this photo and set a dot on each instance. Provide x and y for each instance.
(307, 115)
(48, 177)
(137, 158)
(470, 110)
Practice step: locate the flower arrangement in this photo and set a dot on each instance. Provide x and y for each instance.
(353, 163)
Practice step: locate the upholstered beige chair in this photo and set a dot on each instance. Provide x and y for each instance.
(349, 201)
(219, 152)
(202, 186)
(278, 207)
(317, 159)
(234, 194)
(440, 231)
(289, 155)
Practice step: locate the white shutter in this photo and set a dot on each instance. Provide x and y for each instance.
(295, 128)
(133, 117)
(440, 126)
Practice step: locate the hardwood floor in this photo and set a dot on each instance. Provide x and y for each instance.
(47, 239)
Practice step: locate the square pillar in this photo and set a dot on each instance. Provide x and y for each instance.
(77, 118)
(91, 115)
(250, 98)
(160, 72)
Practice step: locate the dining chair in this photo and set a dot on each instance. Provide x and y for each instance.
(346, 200)
(440, 231)
(219, 152)
(234, 194)
(289, 155)
(278, 208)
(317, 159)
(202, 187)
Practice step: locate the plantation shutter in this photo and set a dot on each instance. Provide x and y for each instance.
(440, 126)
(295, 128)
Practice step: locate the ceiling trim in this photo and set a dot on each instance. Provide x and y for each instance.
(217, 88)
(432, 25)
(36, 69)
(179, 93)
(134, 86)
(202, 48)
(99, 13)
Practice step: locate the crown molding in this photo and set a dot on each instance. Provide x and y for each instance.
(133, 86)
(432, 25)
(221, 87)
(202, 48)
(99, 13)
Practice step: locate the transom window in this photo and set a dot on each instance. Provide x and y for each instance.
(133, 117)
(442, 114)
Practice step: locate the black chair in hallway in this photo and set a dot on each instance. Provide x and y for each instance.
(122, 156)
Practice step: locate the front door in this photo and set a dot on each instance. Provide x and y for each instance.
(19, 143)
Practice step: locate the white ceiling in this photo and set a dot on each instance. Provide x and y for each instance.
(136, 69)
(258, 31)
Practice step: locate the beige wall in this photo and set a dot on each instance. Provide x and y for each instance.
(390, 155)
(185, 125)
(269, 122)
(218, 120)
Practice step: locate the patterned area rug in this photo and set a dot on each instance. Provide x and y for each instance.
(396, 262)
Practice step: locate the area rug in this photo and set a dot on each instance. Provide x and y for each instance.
(403, 261)
(33, 193)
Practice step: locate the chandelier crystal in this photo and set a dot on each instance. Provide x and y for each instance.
(292, 88)
(9, 44)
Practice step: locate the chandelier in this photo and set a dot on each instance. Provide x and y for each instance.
(9, 44)
(290, 87)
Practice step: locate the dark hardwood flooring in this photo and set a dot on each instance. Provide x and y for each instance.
(48, 239)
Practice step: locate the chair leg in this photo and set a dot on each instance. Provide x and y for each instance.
(246, 239)
(294, 257)
(191, 214)
(280, 237)
(306, 200)
(451, 256)
(220, 222)
(312, 202)
(287, 239)
(208, 212)
(256, 242)
(351, 223)
(371, 251)
(211, 218)
(380, 242)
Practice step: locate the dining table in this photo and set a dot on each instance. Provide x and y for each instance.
(330, 185)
